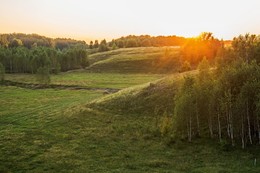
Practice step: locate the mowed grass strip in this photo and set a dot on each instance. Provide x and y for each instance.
(22, 106)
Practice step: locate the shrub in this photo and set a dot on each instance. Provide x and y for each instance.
(165, 124)
(43, 75)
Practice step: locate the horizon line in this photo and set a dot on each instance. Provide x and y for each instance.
(88, 39)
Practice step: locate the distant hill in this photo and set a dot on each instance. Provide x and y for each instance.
(136, 60)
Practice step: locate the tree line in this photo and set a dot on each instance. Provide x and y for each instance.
(147, 41)
(32, 40)
(223, 102)
(23, 60)
(136, 41)
(32, 53)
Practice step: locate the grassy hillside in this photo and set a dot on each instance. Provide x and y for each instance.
(136, 60)
(148, 98)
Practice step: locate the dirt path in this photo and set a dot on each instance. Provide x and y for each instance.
(55, 86)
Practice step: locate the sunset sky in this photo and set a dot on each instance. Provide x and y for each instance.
(98, 19)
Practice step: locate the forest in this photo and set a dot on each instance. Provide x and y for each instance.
(223, 101)
(21, 53)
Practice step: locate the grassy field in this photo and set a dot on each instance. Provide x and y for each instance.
(27, 118)
(44, 131)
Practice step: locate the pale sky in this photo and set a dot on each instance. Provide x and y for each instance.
(99, 19)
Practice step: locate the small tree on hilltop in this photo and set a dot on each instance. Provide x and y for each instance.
(43, 75)
(91, 45)
(96, 44)
(103, 46)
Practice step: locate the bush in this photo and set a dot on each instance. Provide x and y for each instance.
(165, 124)
(43, 75)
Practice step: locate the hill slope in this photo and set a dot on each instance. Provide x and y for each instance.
(136, 60)
(149, 98)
